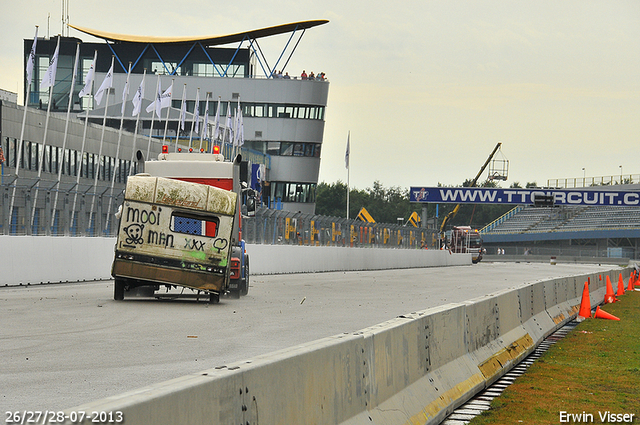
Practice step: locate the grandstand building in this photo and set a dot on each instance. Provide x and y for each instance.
(282, 119)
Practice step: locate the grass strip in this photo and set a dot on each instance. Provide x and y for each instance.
(590, 376)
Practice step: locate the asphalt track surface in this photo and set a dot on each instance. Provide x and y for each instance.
(62, 345)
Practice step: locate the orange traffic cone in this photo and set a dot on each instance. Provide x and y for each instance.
(609, 296)
(601, 314)
(585, 304)
(632, 281)
(620, 286)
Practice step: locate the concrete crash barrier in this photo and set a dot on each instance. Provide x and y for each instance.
(276, 259)
(47, 259)
(414, 369)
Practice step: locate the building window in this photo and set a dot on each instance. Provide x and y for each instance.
(203, 70)
(295, 192)
(46, 166)
(273, 148)
(293, 149)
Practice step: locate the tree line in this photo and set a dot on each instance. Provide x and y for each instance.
(387, 204)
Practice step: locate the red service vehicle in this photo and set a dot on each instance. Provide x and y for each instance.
(464, 239)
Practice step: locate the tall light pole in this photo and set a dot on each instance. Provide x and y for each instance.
(584, 176)
(620, 173)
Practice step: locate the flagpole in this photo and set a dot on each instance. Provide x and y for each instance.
(193, 120)
(52, 81)
(228, 130)
(104, 124)
(348, 190)
(205, 122)
(183, 113)
(166, 124)
(240, 130)
(146, 158)
(216, 127)
(113, 178)
(135, 132)
(84, 136)
(236, 124)
(32, 58)
(64, 140)
(346, 158)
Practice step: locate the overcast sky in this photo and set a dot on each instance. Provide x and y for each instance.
(426, 88)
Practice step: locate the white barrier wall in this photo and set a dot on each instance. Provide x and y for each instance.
(275, 259)
(413, 369)
(43, 259)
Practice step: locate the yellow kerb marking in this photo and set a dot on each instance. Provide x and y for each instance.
(514, 351)
(444, 400)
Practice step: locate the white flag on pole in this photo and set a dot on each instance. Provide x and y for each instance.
(229, 129)
(216, 124)
(165, 99)
(125, 94)
(205, 125)
(49, 78)
(88, 80)
(240, 129)
(32, 58)
(236, 126)
(196, 112)
(156, 103)
(137, 99)
(107, 83)
(162, 101)
(346, 154)
(183, 108)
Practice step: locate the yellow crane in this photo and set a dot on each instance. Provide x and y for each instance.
(453, 212)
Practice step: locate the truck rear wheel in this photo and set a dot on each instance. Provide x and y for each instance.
(118, 289)
(214, 298)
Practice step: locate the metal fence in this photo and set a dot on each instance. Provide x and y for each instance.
(81, 212)
(277, 227)
(72, 207)
(576, 182)
(79, 209)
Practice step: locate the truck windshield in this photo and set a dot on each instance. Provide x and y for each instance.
(475, 241)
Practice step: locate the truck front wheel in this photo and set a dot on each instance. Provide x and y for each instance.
(244, 288)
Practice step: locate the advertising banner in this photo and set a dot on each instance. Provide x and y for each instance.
(492, 195)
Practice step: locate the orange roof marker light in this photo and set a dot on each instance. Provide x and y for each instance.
(216, 150)
(165, 149)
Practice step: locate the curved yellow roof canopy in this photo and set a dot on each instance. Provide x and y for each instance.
(206, 40)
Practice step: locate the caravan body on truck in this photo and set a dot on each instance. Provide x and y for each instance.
(174, 233)
(216, 179)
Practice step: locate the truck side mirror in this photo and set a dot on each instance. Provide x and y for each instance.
(251, 206)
